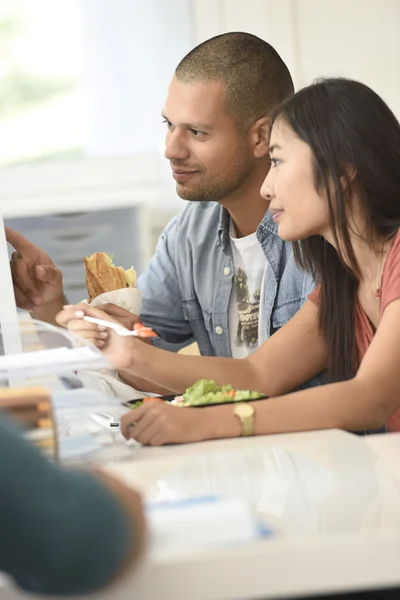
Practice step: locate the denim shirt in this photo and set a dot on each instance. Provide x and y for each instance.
(187, 286)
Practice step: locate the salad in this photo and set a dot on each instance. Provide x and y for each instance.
(208, 392)
(204, 392)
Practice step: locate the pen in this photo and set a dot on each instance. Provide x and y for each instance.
(106, 420)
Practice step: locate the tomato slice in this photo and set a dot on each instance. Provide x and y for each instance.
(144, 331)
(152, 399)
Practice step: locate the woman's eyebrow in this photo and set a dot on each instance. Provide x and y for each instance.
(274, 147)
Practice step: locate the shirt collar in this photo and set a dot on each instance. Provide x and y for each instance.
(267, 226)
(223, 227)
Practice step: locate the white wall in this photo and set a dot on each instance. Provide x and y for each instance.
(131, 50)
(133, 46)
(351, 38)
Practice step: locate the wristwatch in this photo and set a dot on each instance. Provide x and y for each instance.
(245, 412)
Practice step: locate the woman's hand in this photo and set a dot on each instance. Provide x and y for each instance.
(118, 349)
(157, 423)
(123, 316)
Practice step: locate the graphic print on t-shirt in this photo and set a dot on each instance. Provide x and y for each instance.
(248, 305)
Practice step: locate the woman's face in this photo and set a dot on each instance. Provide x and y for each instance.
(297, 208)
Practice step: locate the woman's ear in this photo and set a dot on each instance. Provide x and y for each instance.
(261, 132)
(348, 177)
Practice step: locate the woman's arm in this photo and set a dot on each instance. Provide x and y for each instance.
(324, 407)
(365, 402)
(289, 358)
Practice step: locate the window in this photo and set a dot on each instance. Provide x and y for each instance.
(42, 103)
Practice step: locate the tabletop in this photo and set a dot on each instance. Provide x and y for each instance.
(330, 499)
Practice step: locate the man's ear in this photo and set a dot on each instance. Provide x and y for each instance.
(261, 132)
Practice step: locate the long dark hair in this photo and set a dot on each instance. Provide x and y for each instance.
(355, 140)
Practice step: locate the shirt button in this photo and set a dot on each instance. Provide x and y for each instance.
(227, 271)
(219, 330)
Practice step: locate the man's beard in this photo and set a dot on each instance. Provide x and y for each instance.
(215, 190)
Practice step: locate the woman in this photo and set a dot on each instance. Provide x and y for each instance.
(334, 184)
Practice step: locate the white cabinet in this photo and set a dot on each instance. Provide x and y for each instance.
(73, 209)
(69, 237)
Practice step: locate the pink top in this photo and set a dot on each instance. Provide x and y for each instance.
(390, 290)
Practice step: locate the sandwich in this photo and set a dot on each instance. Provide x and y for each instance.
(103, 276)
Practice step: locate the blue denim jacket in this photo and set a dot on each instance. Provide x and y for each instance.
(187, 286)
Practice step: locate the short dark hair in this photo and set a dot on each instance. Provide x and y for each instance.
(354, 137)
(255, 77)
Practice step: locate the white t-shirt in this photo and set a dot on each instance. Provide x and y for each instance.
(246, 315)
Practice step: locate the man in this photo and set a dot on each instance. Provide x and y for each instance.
(220, 276)
(63, 532)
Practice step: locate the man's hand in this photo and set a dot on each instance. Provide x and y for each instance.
(37, 281)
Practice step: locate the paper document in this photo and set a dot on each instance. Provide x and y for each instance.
(54, 361)
(201, 522)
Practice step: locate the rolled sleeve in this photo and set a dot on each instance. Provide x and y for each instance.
(161, 292)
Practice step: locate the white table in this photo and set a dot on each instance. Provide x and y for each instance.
(332, 499)
(337, 526)
(388, 448)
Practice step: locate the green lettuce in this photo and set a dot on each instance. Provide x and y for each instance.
(207, 392)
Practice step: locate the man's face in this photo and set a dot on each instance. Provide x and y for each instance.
(210, 160)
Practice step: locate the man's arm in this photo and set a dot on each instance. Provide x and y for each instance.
(161, 292)
(62, 532)
(142, 384)
(161, 304)
(37, 281)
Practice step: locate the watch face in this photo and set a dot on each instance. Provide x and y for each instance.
(244, 410)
